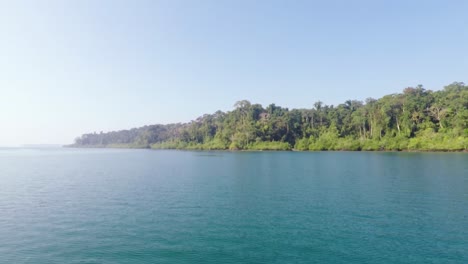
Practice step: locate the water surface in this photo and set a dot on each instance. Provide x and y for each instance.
(143, 206)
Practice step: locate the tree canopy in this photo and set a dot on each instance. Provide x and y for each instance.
(416, 119)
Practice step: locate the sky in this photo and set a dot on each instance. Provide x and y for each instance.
(73, 67)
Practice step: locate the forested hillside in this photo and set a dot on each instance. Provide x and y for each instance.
(416, 119)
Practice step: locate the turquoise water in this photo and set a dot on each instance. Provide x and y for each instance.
(143, 206)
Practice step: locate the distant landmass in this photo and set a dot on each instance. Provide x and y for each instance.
(41, 146)
(414, 120)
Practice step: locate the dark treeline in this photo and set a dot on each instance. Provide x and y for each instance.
(417, 119)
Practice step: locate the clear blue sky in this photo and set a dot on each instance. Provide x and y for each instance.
(70, 67)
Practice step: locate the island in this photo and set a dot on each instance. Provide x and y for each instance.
(414, 120)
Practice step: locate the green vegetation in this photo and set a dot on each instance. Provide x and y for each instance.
(415, 120)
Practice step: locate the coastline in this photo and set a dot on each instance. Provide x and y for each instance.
(269, 150)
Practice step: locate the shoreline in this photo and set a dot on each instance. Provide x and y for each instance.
(267, 150)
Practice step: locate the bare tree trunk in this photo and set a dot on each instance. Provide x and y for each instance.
(398, 125)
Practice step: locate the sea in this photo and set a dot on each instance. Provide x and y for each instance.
(65, 205)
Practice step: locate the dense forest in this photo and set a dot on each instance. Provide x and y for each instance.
(416, 119)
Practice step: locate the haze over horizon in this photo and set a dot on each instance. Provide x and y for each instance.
(73, 67)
